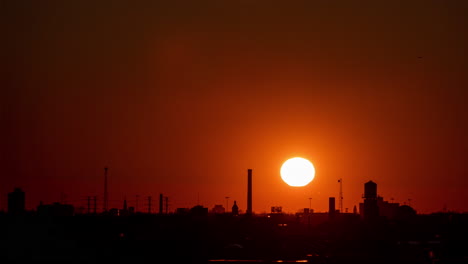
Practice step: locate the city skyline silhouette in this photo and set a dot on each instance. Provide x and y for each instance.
(131, 130)
(180, 104)
(162, 205)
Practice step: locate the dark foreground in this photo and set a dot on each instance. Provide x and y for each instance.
(438, 238)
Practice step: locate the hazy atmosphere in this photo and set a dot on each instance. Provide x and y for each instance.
(182, 97)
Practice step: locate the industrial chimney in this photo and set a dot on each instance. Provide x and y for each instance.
(249, 191)
(331, 207)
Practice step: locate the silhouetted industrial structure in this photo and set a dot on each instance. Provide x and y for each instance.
(374, 206)
(235, 209)
(331, 207)
(370, 210)
(399, 235)
(249, 192)
(16, 202)
(124, 211)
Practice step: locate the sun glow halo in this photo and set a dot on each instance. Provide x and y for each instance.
(297, 172)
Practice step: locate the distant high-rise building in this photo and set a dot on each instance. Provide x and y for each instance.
(16, 202)
(235, 209)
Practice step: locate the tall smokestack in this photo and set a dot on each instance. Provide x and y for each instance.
(249, 191)
(331, 207)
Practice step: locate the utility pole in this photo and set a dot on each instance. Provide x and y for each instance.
(310, 203)
(341, 195)
(167, 203)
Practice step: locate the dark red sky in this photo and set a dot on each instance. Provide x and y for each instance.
(183, 98)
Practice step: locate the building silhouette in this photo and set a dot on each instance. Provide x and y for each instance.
(199, 210)
(218, 209)
(374, 206)
(124, 211)
(55, 209)
(387, 209)
(369, 209)
(405, 212)
(182, 211)
(16, 202)
(235, 209)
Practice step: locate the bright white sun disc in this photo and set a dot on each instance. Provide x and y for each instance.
(297, 172)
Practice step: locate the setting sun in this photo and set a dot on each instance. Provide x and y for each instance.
(297, 172)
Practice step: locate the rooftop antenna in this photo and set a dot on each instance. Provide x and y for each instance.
(106, 201)
(341, 195)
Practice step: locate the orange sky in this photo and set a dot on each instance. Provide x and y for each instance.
(182, 99)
